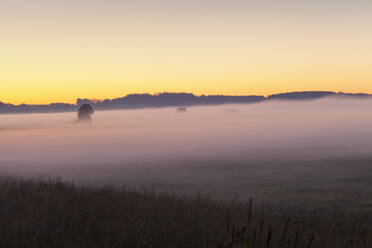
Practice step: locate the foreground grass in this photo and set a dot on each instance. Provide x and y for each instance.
(58, 214)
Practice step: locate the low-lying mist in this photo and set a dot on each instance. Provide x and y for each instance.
(260, 150)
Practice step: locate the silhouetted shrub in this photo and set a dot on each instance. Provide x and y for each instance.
(181, 110)
(84, 112)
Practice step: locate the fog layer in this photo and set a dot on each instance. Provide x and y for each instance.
(150, 146)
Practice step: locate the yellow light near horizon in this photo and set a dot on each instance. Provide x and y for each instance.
(50, 58)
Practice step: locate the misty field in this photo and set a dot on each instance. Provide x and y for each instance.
(306, 164)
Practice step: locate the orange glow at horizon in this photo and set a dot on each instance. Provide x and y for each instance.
(53, 52)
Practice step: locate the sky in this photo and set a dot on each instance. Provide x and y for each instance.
(58, 51)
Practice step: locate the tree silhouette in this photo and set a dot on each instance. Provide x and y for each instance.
(84, 112)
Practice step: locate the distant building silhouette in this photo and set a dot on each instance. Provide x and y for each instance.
(84, 112)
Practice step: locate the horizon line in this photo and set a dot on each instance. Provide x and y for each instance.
(191, 93)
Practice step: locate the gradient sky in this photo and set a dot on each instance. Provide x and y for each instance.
(57, 51)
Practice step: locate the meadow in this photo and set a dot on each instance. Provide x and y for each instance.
(60, 214)
(158, 178)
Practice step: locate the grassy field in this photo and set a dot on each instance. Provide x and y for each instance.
(306, 165)
(60, 214)
(312, 184)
